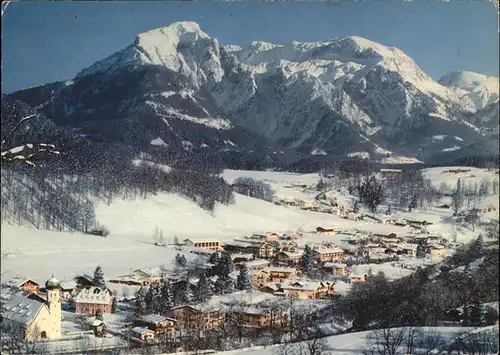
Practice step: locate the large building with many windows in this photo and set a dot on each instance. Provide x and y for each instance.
(203, 243)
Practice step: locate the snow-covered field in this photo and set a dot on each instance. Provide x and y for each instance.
(278, 181)
(447, 175)
(38, 253)
(347, 344)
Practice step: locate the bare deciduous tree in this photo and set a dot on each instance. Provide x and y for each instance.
(389, 341)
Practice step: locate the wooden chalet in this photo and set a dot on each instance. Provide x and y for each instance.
(196, 316)
(328, 254)
(307, 290)
(28, 285)
(161, 325)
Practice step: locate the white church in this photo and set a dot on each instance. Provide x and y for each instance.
(36, 317)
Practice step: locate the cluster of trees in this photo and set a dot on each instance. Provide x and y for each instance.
(370, 192)
(180, 260)
(427, 296)
(43, 201)
(467, 195)
(409, 189)
(325, 183)
(58, 192)
(422, 341)
(56, 200)
(161, 297)
(253, 188)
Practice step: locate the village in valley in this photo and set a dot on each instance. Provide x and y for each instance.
(253, 289)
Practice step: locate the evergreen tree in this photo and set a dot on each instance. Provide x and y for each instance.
(181, 293)
(153, 297)
(99, 277)
(167, 296)
(225, 266)
(420, 251)
(388, 211)
(243, 280)
(413, 203)
(113, 305)
(214, 260)
(191, 293)
(140, 302)
(355, 208)
(457, 198)
(490, 316)
(306, 261)
(476, 250)
(223, 284)
(474, 315)
(180, 260)
(204, 289)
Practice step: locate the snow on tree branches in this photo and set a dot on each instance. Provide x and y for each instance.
(26, 153)
(99, 277)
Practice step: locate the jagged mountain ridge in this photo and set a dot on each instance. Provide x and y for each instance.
(178, 88)
(482, 89)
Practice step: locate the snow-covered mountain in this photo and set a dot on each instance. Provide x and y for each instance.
(178, 88)
(483, 90)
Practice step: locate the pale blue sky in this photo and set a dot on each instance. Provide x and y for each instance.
(51, 41)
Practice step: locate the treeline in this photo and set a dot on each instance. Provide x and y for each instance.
(253, 188)
(55, 200)
(429, 295)
(58, 192)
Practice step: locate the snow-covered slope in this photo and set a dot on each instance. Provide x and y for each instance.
(38, 253)
(354, 343)
(337, 96)
(481, 89)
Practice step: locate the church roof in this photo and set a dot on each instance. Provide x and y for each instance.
(20, 309)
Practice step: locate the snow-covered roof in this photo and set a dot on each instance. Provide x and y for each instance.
(256, 262)
(335, 265)
(248, 298)
(237, 243)
(249, 240)
(436, 246)
(241, 255)
(20, 309)
(19, 281)
(357, 276)
(271, 285)
(68, 285)
(408, 246)
(202, 240)
(94, 295)
(280, 269)
(152, 271)
(303, 285)
(139, 330)
(93, 321)
(372, 245)
(155, 318)
(291, 254)
(328, 250)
